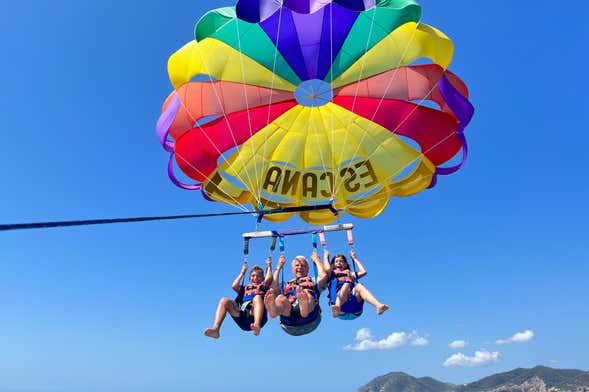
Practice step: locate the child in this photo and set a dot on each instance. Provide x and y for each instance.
(247, 310)
(349, 294)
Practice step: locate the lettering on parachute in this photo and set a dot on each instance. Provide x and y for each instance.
(285, 181)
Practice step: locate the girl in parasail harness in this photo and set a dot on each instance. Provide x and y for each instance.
(347, 296)
(298, 304)
(247, 310)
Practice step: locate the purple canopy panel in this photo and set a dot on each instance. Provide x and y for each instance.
(307, 41)
(254, 11)
(357, 5)
(332, 38)
(174, 179)
(286, 40)
(464, 111)
(165, 121)
(309, 28)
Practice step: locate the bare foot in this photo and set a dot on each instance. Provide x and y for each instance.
(270, 303)
(336, 310)
(303, 298)
(212, 333)
(255, 329)
(381, 309)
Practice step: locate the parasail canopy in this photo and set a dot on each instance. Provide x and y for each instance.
(314, 101)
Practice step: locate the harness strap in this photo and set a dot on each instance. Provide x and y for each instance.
(314, 242)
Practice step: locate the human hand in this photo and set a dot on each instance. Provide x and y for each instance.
(244, 267)
(281, 261)
(315, 258)
(269, 261)
(353, 254)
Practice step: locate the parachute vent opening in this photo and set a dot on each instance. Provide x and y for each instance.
(313, 93)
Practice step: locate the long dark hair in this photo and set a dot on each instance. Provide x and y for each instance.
(343, 257)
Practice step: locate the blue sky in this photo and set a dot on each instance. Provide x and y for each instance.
(494, 250)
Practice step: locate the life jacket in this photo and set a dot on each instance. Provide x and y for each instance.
(253, 289)
(342, 275)
(305, 283)
(339, 277)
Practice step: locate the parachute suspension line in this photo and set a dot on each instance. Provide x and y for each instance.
(348, 123)
(257, 194)
(271, 89)
(236, 204)
(175, 153)
(399, 62)
(393, 77)
(314, 126)
(332, 144)
(383, 97)
(359, 201)
(249, 183)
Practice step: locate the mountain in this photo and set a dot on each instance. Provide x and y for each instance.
(402, 382)
(538, 379)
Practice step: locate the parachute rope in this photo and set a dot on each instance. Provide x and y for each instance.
(369, 36)
(257, 194)
(272, 90)
(236, 202)
(396, 68)
(359, 201)
(229, 127)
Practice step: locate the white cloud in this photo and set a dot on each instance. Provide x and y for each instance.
(363, 334)
(459, 344)
(520, 337)
(365, 341)
(480, 358)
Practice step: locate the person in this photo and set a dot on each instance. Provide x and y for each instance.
(347, 294)
(247, 310)
(297, 303)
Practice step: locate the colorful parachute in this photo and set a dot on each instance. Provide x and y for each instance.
(303, 102)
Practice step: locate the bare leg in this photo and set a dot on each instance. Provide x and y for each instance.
(283, 306)
(258, 310)
(270, 302)
(225, 306)
(364, 294)
(343, 295)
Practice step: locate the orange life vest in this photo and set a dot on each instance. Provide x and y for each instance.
(342, 275)
(252, 289)
(305, 283)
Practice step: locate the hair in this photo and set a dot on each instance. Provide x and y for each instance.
(343, 257)
(299, 258)
(256, 268)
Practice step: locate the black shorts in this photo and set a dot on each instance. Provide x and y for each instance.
(246, 318)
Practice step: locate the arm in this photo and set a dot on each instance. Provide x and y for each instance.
(326, 265)
(276, 280)
(269, 277)
(237, 282)
(322, 276)
(361, 270)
